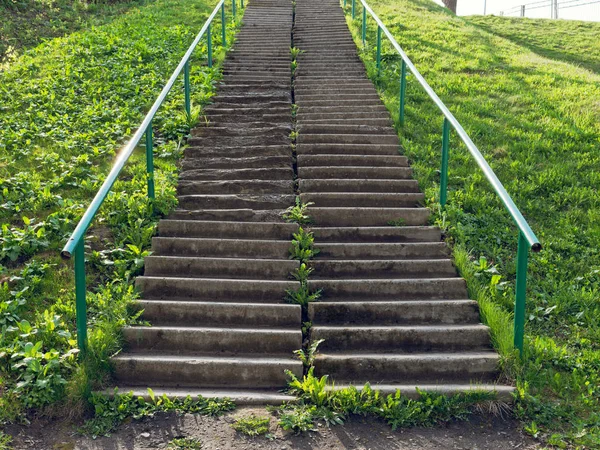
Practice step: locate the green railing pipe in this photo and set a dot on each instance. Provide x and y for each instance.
(224, 25)
(186, 89)
(364, 26)
(353, 9)
(209, 46)
(75, 244)
(527, 238)
(378, 59)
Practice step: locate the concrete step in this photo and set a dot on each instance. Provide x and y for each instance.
(235, 187)
(245, 268)
(413, 368)
(225, 314)
(223, 215)
(382, 250)
(367, 217)
(331, 138)
(238, 174)
(241, 397)
(236, 201)
(347, 149)
(172, 370)
(357, 235)
(224, 248)
(358, 185)
(238, 152)
(234, 290)
(212, 340)
(318, 129)
(210, 162)
(361, 199)
(402, 338)
(345, 172)
(352, 160)
(226, 230)
(405, 312)
(381, 289)
(382, 268)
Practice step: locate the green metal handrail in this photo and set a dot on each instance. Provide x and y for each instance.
(75, 244)
(527, 238)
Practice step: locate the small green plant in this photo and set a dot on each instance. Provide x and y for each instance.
(302, 296)
(397, 223)
(294, 52)
(5, 441)
(111, 411)
(298, 213)
(302, 247)
(252, 425)
(185, 444)
(307, 356)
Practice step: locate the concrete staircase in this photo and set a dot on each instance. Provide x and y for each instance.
(394, 312)
(213, 289)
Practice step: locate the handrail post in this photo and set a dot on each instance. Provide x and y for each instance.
(241, 3)
(378, 50)
(353, 9)
(364, 26)
(186, 83)
(445, 154)
(233, 9)
(209, 44)
(344, 4)
(150, 161)
(520, 292)
(80, 300)
(223, 28)
(402, 91)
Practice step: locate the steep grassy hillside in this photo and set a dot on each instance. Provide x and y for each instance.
(66, 108)
(567, 40)
(26, 23)
(537, 121)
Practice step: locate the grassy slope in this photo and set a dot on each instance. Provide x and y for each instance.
(66, 108)
(567, 40)
(537, 121)
(26, 23)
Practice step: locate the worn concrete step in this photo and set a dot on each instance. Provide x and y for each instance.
(277, 173)
(221, 131)
(367, 217)
(333, 138)
(225, 314)
(172, 370)
(347, 149)
(381, 122)
(232, 215)
(350, 250)
(414, 368)
(405, 312)
(235, 187)
(345, 172)
(259, 291)
(213, 340)
(325, 129)
(304, 111)
(249, 162)
(358, 185)
(361, 199)
(245, 268)
(416, 288)
(226, 230)
(238, 152)
(401, 338)
(222, 141)
(224, 248)
(233, 201)
(503, 392)
(353, 160)
(382, 268)
(241, 397)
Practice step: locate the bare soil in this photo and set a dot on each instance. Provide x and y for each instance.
(358, 433)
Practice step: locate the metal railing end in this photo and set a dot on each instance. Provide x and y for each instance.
(537, 247)
(65, 254)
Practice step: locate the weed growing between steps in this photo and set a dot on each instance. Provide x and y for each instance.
(110, 412)
(537, 123)
(185, 444)
(319, 402)
(252, 425)
(68, 106)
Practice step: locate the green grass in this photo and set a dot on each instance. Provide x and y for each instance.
(566, 40)
(66, 108)
(26, 23)
(537, 122)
